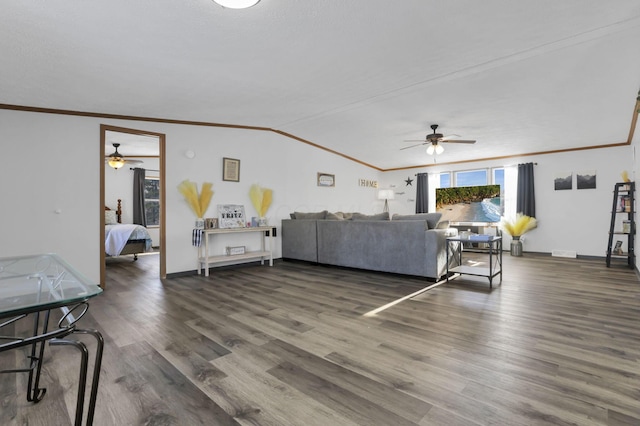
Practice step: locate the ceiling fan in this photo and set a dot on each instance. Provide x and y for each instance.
(116, 160)
(433, 140)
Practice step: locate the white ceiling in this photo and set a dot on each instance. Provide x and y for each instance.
(357, 76)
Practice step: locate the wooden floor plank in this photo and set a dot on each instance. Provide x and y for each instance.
(557, 342)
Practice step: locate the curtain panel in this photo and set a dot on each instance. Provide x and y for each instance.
(526, 197)
(422, 193)
(139, 214)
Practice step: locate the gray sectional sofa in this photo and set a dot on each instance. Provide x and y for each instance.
(408, 244)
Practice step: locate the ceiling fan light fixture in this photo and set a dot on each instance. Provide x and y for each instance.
(237, 4)
(116, 162)
(435, 149)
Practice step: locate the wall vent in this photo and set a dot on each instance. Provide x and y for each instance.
(564, 253)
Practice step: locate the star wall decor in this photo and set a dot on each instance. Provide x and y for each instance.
(409, 181)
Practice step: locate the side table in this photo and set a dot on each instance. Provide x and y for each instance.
(494, 243)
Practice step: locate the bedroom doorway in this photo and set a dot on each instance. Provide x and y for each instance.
(145, 150)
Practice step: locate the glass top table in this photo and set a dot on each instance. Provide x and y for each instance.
(31, 287)
(34, 283)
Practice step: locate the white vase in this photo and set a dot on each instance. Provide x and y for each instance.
(263, 221)
(200, 223)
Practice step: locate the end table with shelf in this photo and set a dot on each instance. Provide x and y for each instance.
(494, 251)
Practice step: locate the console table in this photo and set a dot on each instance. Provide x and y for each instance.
(205, 259)
(494, 243)
(31, 287)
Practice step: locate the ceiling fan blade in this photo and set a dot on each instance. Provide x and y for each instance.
(457, 141)
(415, 140)
(412, 146)
(133, 161)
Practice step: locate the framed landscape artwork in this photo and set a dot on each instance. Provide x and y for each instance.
(563, 180)
(586, 180)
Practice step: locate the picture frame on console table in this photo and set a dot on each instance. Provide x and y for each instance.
(231, 216)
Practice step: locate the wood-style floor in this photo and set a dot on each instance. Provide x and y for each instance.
(558, 342)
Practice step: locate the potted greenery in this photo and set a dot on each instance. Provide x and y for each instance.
(517, 228)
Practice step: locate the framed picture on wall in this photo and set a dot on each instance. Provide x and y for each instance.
(231, 169)
(563, 180)
(325, 179)
(586, 180)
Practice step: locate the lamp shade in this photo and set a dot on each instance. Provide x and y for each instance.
(385, 194)
(236, 4)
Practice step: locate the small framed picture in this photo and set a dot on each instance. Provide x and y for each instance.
(325, 179)
(210, 223)
(231, 169)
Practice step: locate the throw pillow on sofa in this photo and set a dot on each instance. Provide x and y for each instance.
(432, 219)
(379, 216)
(334, 216)
(312, 215)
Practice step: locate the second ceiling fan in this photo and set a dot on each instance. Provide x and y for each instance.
(433, 140)
(117, 160)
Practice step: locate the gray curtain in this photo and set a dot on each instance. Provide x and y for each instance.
(139, 216)
(422, 193)
(526, 197)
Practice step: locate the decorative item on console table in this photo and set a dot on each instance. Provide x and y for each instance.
(199, 203)
(231, 216)
(516, 229)
(231, 251)
(261, 199)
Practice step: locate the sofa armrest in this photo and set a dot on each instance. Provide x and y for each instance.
(299, 239)
(436, 249)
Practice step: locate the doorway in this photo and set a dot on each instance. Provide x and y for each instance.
(139, 145)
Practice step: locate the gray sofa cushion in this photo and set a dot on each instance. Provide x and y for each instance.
(431, 218)
(379, 216)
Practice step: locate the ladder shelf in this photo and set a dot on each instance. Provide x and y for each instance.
(624, 205)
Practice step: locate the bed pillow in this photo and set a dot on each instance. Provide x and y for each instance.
(110, 217)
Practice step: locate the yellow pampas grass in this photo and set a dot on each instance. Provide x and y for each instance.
(260, 198)
(198, 203)
(520, 226)
(625, 176)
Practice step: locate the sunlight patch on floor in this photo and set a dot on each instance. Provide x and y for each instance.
(402, 299)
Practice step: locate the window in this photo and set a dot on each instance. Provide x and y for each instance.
(445, 180)
(498, 177)
(152, 201)
(471, 178)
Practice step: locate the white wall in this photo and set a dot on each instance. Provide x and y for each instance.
(64, 177)
(575, 220)
(51, 200)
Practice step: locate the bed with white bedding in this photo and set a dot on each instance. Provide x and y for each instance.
(123, 239)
